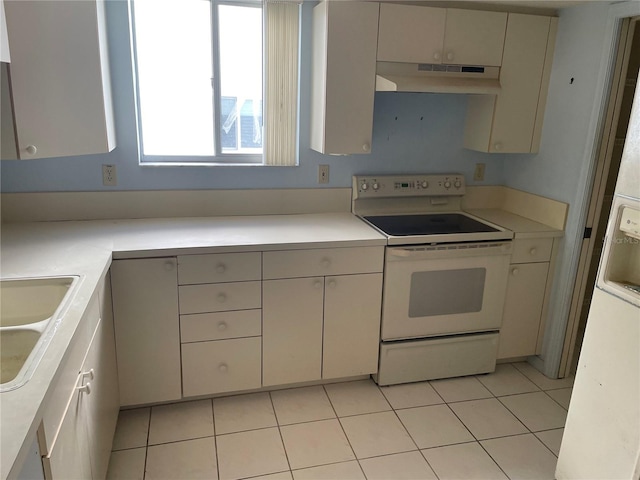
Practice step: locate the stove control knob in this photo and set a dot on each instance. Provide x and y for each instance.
(425, 184)
(375, 186)
(457, 183)
(447, 184)
(365, 187)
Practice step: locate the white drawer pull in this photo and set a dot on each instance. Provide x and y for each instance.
(90, 374)
(223, 367)
(168, 265)
(514, 272)
(317, 284)
(85, 388)
(222, 297)
(533, 251)
(325, 262)
(449, 55)
(222, 326)
(332, 283)
(31, 149)
(221, 268)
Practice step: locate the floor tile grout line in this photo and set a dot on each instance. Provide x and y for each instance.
(514, 415)
(284, 446)
(146, 449)
(215, 442)
(562, 406)
(494, 460)
(340, 423)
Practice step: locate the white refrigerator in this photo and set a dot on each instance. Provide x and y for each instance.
(602, 433)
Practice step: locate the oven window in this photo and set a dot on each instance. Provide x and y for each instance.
(446, 292)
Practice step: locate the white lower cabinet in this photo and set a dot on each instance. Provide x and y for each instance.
(292, 316)
(145, 305)
(220, 322)
(321, 327)
(527, 289)
(351, 325)
(82, 442)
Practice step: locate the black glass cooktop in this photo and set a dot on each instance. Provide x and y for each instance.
(428, 224)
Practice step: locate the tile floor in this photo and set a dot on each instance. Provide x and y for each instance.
(507, 424)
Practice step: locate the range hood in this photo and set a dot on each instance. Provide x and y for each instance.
(437, 78)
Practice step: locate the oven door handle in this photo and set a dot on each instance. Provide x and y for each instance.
(481, 250)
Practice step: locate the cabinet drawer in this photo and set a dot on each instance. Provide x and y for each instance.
(324, 261)
(532, 250)
(199, 327)
(219, 297)
(221, 366)
(219, 267)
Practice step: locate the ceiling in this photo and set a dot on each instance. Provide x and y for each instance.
(543, 7)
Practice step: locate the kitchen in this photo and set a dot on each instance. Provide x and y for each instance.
(413, 133)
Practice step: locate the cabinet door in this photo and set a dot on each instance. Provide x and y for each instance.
(351, 325)
(60, 78)
(145, 307)
(523, 309)
(410, 34)
(511, 121)
(473, 37)
(343, 76)
(70, 454)
(292, 330)
(101, 372)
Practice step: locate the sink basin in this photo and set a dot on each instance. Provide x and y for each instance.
(30, 309)
(27, 301)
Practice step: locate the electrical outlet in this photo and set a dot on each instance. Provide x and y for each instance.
(109, 176)
(478, 174)
(323, 173)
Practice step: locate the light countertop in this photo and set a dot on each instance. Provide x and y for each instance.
(85, 248)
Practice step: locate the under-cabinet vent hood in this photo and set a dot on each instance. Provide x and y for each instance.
(436, 78)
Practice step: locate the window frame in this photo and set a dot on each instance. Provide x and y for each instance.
(219, 158)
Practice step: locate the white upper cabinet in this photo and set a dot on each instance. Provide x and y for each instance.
(410, 34)
(416, 34)
(60, 78)
(343, 76)
(511, 122)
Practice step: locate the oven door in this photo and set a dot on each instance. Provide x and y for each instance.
(444, 289)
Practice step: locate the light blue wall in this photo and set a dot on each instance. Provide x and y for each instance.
(563, 169)
(412, 133)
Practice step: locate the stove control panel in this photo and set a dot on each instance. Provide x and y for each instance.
(372, 186)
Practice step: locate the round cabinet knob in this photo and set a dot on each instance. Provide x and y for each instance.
(425, 184)
(332, 283)
(514, 272)
(447, 184)
(317, 284)
(223, 368)
(449, 55)
(375, 186)
(365, 187)
(222, 326)
(457, 184)
(222, 297)
(31, 149)
(533, 251)
(497, 146)
(85, 388)
(90, 374)
(168, 266)
(325, 262)
(366, 147)
(436, 56)
(221, 268)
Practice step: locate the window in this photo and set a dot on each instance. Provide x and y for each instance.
(199, 77)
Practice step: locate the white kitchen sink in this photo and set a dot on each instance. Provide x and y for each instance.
(30, 308)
